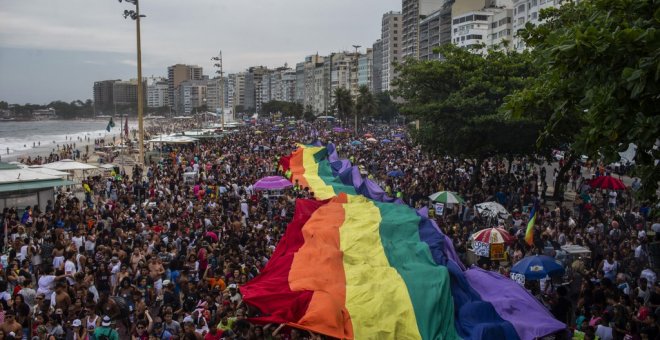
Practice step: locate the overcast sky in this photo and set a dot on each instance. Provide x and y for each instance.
(56, 49)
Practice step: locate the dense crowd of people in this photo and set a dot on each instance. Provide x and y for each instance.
(161, 252)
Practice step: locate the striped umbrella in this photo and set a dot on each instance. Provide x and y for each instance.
(446, 197)
(492, 236)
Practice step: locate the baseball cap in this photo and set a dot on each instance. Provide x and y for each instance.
(188, 319)
(166, 282)
(232, 286)
(106, 321)
(76, 323)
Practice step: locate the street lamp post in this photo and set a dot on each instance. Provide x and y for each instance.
(135, 15)
(357, 57)
(218, 64)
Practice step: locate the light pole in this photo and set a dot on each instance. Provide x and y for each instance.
(357, 57)
(218, 64)
(135, 15)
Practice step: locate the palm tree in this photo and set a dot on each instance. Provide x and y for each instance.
(343, 102)
(365, 105)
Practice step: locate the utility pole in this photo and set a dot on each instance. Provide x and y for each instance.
(135, 15)
(218, 64)
(351, 85)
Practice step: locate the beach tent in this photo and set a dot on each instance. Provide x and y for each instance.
(172, 139)
(51, 172)
(68, 165)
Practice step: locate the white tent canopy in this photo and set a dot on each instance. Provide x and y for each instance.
(23, 175)
(51, 172)
(68, 165)
(170, 139)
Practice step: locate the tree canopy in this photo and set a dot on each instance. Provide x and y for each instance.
(601, 67)
(287, 108)
(457, 101)
(343, 102)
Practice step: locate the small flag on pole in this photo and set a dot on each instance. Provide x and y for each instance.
(111, 124)
(529, 234)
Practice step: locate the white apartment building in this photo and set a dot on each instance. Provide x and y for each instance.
(300, 83)
(230, 90)
(413, 12)
(311, 78)
(192, 94)
(319, 100)
(365, 68)
(525, 11)
(157, 92)
(288, 85)
(489, 26)
(391, 33)
(215, 93)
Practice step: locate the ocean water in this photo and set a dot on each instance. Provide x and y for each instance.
(19, 139)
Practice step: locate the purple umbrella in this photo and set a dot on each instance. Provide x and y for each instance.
(272, 183)
(337, 129)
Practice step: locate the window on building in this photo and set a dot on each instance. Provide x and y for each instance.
(508, 20)
(521, 9)
(395, 31)
(521, 21)
(395, 45)
(480, 17)
(396, 25)
(533, 3)
(534, 16)
(395, 51)
(493, 25)
(395, 38)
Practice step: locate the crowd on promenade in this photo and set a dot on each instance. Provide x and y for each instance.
(147, 253)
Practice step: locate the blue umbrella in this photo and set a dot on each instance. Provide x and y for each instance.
(386, 141)
(537, 267)
(356, 142)
(395, 173)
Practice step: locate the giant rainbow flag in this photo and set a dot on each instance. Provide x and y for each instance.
(357, 264)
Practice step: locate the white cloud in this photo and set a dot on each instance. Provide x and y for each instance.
(249, 32)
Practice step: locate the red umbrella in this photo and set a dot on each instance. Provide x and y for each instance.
(493, 235)
(607, 182)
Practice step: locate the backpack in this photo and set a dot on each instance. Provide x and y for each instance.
(105, 336)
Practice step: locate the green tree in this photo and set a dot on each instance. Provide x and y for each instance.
(457, 102)
(287, 108)
(309, 115)
(601, 69)
(365, 104)
(386, 108)
(343, 102)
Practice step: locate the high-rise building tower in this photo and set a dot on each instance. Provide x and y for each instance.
(176, 74)
(103, 95)
(391, 46)
(413, 11)
(377, 67)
